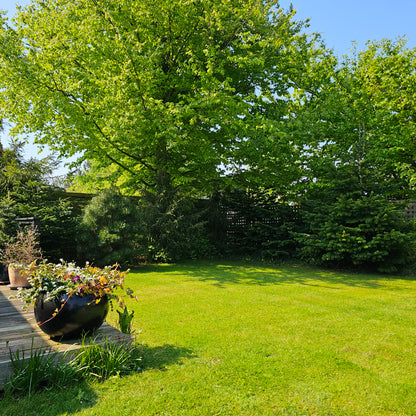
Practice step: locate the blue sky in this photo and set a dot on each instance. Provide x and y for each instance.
(339, 21)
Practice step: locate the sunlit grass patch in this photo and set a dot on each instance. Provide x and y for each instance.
(245, 339)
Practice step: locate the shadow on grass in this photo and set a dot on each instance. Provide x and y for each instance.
(50, 403)
(76, 398)
(160, 357)
(224, 273)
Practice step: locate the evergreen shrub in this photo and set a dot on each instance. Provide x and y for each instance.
(109, 230)
(26, 192)
(365, 232)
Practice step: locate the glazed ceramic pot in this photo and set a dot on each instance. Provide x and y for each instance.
(4, 275)
(69, 317)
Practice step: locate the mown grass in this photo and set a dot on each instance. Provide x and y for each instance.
(243, 339)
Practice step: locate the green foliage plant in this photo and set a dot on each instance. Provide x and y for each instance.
(47, 370)
(23, 249)
(43, 369)
(125, 319)
(366, 232)
(50, 280)
(356, 124)
(105, 360)
(8, 223)
(25, 190)
(170, 92)
(173, 227)
(109, 229)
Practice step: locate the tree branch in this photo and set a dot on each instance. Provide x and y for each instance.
(76, 101)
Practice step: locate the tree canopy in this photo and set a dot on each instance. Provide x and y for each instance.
(190, 95)
(170, 98)
(157, 93)
(358, 128)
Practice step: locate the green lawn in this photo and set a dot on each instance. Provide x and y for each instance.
(241, 339)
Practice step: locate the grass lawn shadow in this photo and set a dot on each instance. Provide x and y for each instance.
(224, 273)
(49, 402)
(81, 397)
(160, 357)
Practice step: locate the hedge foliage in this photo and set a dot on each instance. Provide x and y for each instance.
(366, 232)
(109, 230)
(25, 192)
(351, 230)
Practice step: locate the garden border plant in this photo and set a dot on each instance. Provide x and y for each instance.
(46, 369)
(41, 370)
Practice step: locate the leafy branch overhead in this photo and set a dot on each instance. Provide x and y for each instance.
(155, 92)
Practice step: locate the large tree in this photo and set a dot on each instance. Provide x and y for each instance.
(358, 126)
(157, 94)
(358, 134)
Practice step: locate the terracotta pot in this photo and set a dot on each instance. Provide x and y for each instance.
(17, 278)
(70, 316)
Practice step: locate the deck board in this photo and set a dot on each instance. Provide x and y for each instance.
(19, 331)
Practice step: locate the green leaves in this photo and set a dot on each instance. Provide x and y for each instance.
(357, 231)
(136, 88)
(360, 123)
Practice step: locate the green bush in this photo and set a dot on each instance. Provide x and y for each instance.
(8, 223)
(25, 192)
(58, 226)
(109, 230)
(367, 232)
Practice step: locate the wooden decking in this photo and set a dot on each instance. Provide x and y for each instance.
(19, 331)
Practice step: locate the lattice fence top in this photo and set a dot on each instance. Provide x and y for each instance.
(410, 211)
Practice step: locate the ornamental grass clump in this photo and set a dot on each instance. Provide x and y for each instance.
(49, 280)
(42, 370)
(109, 359)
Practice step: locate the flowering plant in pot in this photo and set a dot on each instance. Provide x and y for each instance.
(69, 300)
(19, 253)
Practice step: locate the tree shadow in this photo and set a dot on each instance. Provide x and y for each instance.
(76, 398)
(224, 273)
(298, 274)
(160, 357)
(70, 400)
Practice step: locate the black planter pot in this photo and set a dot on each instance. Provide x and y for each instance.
(4, 276)
(75, 315)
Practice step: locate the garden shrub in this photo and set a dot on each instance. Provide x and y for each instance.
(109, 229)
(25, 192)
(8, 223)
(58, 226)
(365, 232)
